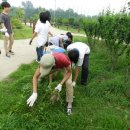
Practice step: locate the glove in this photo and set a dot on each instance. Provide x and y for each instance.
(7, 35)
(30, 42)
(32, 99)
(3, 30)
(59, 87)
(73, 83)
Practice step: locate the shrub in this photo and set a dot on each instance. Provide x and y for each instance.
(17, 24)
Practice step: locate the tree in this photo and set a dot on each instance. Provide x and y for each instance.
(4, 0)
(17, 13)
(71, 21)
(29, 9)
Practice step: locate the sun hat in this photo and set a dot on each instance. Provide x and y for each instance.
(46, 64)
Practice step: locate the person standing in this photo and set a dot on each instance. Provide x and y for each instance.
(48, 18)
(6, 23)
(41, 31)
(78, 54)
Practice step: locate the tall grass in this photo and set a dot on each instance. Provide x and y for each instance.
(101, 105)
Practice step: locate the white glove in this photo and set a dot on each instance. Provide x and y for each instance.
(59, 87)
(32, 99)
(73, 83)
(7, 35)
(3, 30)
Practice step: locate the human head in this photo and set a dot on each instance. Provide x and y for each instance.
(70, 37)
(48, 16)
(5, 6)
(46, 64)
(69, 40)
(43, 17)
(73, 55)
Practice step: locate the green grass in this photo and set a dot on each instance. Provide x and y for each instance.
(101, 105)
(73, 30)
(24, 33)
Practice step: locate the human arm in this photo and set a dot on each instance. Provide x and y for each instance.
(2, 21)
(33, 97)
(50, 34)
(34, 35)
(76, 74)
(66, 77)
(79, 64)
(61, 43)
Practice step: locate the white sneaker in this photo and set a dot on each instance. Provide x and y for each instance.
(7, 55)
(69, 111)
(38, 61)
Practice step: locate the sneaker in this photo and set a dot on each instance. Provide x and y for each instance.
(38, 61)
(11, 52)
(83, 83)
(69, 111)
(7, 55)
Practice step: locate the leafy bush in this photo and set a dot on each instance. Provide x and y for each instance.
(114, 30)
(17, 24)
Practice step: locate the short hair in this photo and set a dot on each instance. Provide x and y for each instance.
(69, 35)
(45, 16)
(5, 5)
(42, 17)
(48, 16)
(73, 55)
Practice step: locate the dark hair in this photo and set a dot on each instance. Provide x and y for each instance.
(42, 17)
(5, 5)
(66, 44)
(48, 16)
(69, 35)
(45, 16)
(73, 55)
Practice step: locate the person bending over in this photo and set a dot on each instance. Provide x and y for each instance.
(61, 40)
(78, 53)
(50, 63)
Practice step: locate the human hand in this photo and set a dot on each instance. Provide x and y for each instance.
(32, 99)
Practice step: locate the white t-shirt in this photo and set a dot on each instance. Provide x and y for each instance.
(64, 37)
(47, 22)
(55, 40)
(82, 48)
(42, 31)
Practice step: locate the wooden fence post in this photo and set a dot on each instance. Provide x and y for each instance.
(30, 23)
(25, 22)
(34, 24)
(79, 30)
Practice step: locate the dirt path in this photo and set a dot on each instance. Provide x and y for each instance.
(24, 54)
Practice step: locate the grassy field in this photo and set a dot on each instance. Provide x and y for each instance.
(101, 105)
(24, 33)
(73, 30)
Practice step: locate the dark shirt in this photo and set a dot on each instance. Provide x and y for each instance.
(5, 18)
